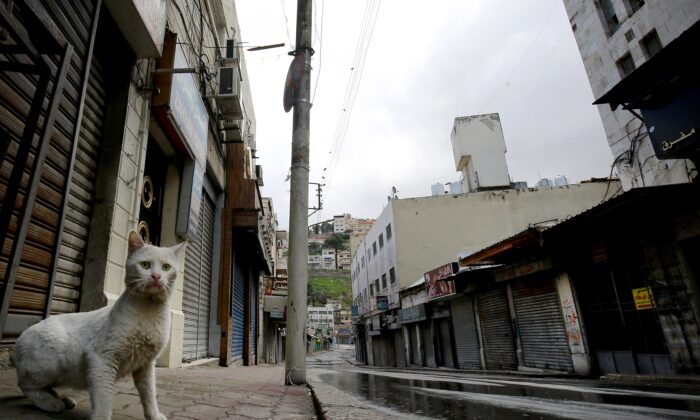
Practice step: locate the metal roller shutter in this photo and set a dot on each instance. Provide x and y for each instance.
(399, 349)
(197, 286)
(49, 278)
(415, 353)
(427, 335)
(466, 335)
(499, 350)
(445, 342)
(253, 316)
(237, 311)
(541, 326)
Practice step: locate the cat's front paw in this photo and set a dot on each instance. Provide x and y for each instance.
(159, 416)
(69, 403)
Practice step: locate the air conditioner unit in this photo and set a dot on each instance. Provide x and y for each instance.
(231, 53)
(229, 82)
(230, 122)
(259, 174)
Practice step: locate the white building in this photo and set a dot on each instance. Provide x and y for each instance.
(340, 223)
(479, 151)
(615, 37)
(321, 317)
(328, 259)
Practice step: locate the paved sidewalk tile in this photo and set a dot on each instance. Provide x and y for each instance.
(247, 392)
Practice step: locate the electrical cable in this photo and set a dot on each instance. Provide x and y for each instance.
(364, 39)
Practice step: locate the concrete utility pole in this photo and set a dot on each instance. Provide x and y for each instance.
(299, 82)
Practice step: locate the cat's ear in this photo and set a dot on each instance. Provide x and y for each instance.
(135, 242)
(179, 249)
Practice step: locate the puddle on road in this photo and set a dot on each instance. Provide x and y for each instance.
(480, 399)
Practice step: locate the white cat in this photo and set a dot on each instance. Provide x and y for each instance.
(94, 349)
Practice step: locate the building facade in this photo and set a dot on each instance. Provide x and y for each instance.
(616, 38)
(134, 146)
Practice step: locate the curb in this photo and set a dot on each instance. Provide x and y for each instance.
(318, 406)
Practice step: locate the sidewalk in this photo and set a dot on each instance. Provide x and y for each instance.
(246, 392)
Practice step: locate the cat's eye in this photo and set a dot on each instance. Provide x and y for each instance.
(146, 265)
(166, 267)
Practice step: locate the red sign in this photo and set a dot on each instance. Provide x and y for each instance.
(437, 284)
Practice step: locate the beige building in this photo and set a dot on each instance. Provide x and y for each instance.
(414, 235)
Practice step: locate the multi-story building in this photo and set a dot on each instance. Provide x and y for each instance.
(328, 259)
(321, 318)
(414, 235)
(618, 41)
(137, 144)
(344, 260)
(341, 222)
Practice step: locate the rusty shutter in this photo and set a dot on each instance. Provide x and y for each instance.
(426, 332)
(33, 296)
(400, 349)
(496, 330)
(541, 325)
(466, 335)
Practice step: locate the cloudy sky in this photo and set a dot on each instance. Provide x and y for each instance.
(426, 63)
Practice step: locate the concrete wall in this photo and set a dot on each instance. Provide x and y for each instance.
(432, 231)
(479, 151)
(600, 52)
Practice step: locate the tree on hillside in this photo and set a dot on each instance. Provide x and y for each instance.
(338, 241)
(326, 227)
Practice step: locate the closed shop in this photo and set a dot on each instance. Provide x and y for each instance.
(52, 181)
(497, 334)
(428, 346)
(415, 351)
(541, 326)
(237, 311)
(197, 286)
(444, 342)
(253, 317)
(466, 335)
(399, 349)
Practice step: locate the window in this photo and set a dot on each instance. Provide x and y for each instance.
(609, 16)
(383, 281)
(376, 285)
(363, 262)
(634, 5)
(374, 248)
(388, 231)
(381, 241)
(651, 44)
(625, 65)
(371, 290)
(365, 294)
(392, 275)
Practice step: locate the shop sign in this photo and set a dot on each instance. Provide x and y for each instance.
(436, 283)
(142, 22)
(643, 298)
(276, 286)
(382, 303)
(355, 311)
(274, 304)
(412, 314)
(187, 110)
(190, 200)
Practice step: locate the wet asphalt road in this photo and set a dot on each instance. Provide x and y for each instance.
(456, 395)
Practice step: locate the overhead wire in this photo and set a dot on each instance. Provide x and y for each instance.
(286, 24)
(369, 20)
(505, 82)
